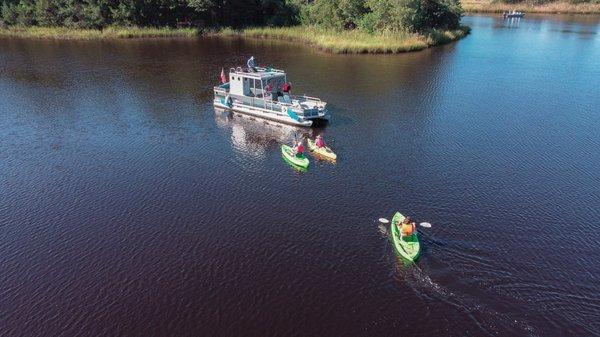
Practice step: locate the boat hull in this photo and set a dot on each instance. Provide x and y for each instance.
(264, 114)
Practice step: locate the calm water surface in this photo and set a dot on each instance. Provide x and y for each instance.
(129, 206)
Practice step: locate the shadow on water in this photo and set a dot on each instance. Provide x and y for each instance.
(254, 136)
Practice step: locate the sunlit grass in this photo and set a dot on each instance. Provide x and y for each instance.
(487, 6)
(89, 34)
(354, 41)
(135, 32)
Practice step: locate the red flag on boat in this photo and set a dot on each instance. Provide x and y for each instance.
(223, 77)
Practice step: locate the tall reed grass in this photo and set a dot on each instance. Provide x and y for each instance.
(354, 41)
(112, 32)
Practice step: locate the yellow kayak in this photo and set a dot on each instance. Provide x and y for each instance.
(324, 152)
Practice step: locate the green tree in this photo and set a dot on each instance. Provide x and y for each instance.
(279, 13)
(124, 13)
(416, 15)
(369, 22)
(25, 13)
(368, 15)
(161, 12)
(92, 17)
(389, 14)
(9, 13)
(336, 14)
(70, 13)
(352, 11)
(442, 14)
(47, 13)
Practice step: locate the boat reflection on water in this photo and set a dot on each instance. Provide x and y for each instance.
(253, 137)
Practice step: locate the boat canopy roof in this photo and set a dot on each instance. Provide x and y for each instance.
(260, 73)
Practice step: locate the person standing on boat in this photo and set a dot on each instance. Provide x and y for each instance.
(252, 64)
(286, 88)
(269, 91)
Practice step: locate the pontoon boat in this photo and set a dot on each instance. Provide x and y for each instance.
(259, 92)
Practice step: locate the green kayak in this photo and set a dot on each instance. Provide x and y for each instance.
(407, 246)
(298, 160)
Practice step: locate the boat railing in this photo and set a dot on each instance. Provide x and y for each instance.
(265, 103)
(309, 98)
(269, 69)
(243, 70)
(272, 105)
(220, 90)
(318, 101)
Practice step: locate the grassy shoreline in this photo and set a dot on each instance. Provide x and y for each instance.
(559, 7)
(330, 41)
(63, 33)
(352, 42)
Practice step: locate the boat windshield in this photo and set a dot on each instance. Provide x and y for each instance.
(276, 83)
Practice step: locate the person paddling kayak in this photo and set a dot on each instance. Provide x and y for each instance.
(320, 143)
(405, 237)
(299, 149)
(320, 149)
(407, 227)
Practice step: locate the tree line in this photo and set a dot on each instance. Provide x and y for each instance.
(367, 15)
(542, 2)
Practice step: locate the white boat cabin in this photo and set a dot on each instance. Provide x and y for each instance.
(253, 84)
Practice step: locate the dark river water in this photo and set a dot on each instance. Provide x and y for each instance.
(129, 206)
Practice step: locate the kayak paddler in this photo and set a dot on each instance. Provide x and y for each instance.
(299, 149)
(320, 143)
(407, 227)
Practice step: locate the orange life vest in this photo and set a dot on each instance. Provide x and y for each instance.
(407, 229)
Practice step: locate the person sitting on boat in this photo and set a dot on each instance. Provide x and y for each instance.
(299, 149)
(407, 227)
(320, 143)
(252, 64)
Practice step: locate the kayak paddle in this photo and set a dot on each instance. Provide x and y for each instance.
(422, 224)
